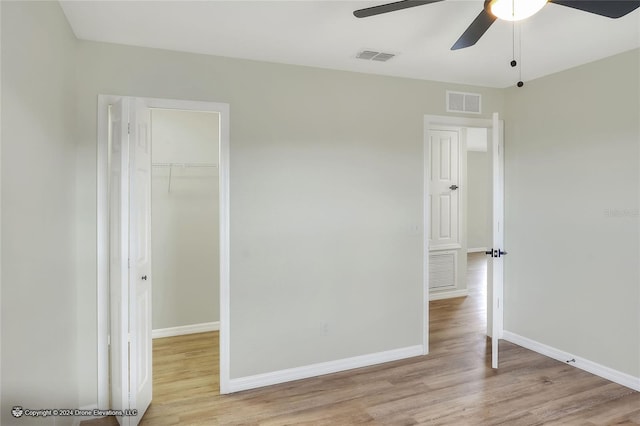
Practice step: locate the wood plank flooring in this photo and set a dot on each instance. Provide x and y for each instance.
(453, 385)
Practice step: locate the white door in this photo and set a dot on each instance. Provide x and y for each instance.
(495, 267)
(130, 280)
(140, 351)
(444, 162)
(119, 255)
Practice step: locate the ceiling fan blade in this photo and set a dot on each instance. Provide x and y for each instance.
(478, 27)
(390, 7)
(608, 8)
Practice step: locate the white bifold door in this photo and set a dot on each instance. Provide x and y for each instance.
(130, 260)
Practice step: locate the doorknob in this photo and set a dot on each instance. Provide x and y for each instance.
(453, 187)
(144, 277)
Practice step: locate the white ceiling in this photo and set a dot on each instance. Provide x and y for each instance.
(326, 34)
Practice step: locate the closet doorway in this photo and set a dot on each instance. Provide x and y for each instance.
(188, 235)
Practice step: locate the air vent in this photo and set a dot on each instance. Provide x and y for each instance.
(442, 269)
(372, 55)
(464, 102)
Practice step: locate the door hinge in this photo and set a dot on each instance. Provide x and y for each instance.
(128, 128)
(109, 340)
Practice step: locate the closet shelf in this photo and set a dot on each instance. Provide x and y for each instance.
(183, 166)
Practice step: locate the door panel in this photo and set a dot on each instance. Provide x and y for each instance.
(496, 263)
(130, 259)
(444, 157)
(119, 255)
(444, 165)
(140, 278)
(431, 230)
(445, 217)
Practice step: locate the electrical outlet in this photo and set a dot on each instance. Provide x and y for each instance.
(325, 328)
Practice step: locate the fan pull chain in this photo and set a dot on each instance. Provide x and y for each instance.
(520, 82)
(513, 52)
(513, 45)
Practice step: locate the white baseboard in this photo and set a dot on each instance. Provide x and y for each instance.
(581, 363)
(185, 329)
(448, 294)
(476, 250)
(290, 374)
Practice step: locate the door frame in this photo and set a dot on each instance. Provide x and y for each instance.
(431, 121)
(103, 233)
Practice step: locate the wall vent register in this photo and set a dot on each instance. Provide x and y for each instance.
(442, 269)
(372, 55)
(464, 102)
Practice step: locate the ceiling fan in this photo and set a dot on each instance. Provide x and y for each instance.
(511, 10)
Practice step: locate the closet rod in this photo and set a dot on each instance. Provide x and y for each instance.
(183, 165)
(210, 165)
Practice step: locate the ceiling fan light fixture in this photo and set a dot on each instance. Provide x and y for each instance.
(515, 10)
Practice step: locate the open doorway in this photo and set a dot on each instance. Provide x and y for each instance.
(449, 268)
(186, 254)
(124, 140)
(460, 200)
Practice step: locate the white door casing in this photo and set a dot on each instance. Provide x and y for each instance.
(444, 172)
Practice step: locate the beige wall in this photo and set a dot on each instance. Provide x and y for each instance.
(326, 198)
(184, 234)
(39, 305)
(572, 224)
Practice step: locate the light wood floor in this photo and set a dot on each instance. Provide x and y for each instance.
(453, 385)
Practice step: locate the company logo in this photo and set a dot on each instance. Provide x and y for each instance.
(17, 411)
